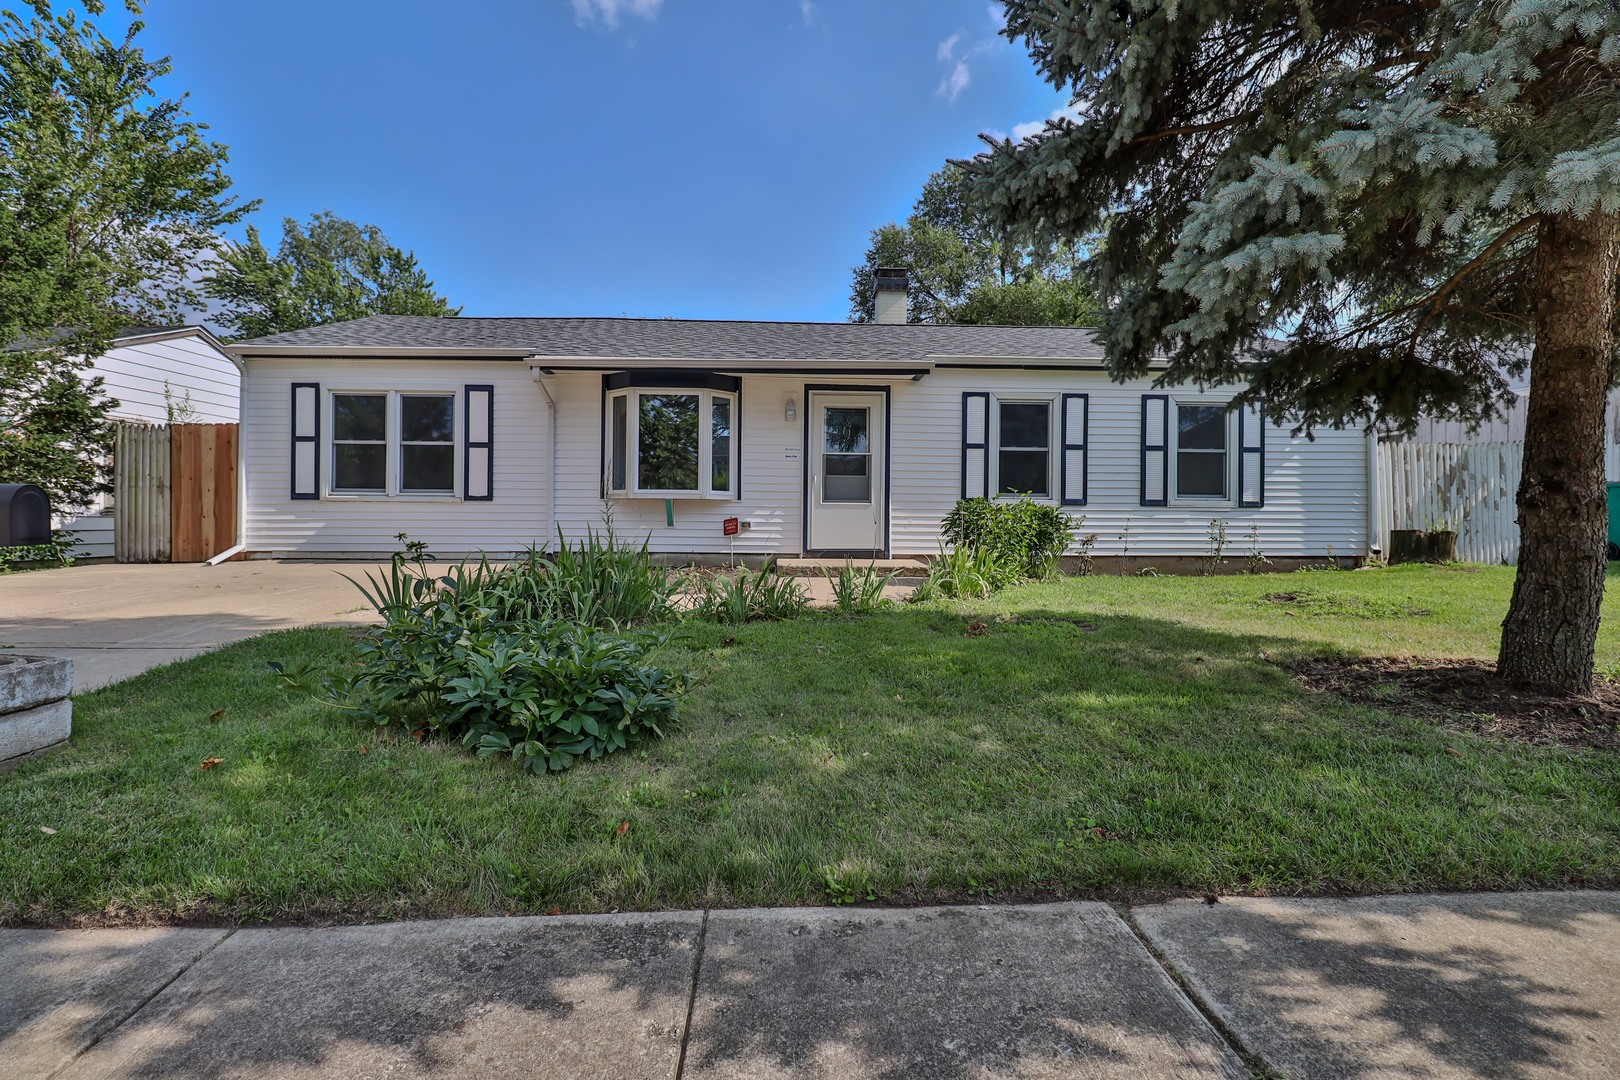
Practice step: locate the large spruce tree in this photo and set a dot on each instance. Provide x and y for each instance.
(1391, 205)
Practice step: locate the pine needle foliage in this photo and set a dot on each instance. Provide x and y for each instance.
(1351, 189)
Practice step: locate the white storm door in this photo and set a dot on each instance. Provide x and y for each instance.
(847, 471)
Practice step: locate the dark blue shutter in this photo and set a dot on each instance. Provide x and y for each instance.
(1252, 456)
(976, 445)
(478, 444)
(1076, 428)
(1155, 450)
(306, 440)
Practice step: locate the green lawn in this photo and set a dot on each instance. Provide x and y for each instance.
(1102, 736)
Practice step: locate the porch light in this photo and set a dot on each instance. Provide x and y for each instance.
(790, 406)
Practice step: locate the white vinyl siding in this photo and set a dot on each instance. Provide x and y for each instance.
(275, 523)
(1316, 493)
(770, 471)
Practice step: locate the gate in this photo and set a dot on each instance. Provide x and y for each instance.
(202, 468)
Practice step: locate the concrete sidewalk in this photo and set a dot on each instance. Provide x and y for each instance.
(116, 620)
(1492, 986)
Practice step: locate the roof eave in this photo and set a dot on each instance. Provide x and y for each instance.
(248, 350)
(550, 364)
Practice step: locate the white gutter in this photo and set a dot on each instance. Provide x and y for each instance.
(730, 363)
(373, 352)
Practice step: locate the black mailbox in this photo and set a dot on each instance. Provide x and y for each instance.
(25, 515)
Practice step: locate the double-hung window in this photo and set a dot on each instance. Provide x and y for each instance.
(1202, 444)
(671, 443)
(393, 443)
(1023, 445)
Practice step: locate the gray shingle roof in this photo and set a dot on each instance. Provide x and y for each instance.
(672, 339)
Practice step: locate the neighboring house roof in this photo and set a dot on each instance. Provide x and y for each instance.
(674, 339)
(129, 335)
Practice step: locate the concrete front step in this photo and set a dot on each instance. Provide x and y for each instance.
(903, 568)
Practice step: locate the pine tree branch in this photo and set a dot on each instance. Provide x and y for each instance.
(1450, 285)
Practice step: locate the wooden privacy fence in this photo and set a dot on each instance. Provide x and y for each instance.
(174, 491)
(1469, 487)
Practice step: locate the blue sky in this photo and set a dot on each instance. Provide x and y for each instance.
(687, 158)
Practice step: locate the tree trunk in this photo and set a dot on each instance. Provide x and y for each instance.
(1550, 632)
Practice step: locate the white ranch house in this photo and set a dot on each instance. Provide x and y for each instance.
(489, 435)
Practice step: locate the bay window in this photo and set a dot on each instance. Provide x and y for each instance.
(671, 443)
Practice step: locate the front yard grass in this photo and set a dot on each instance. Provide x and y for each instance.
(1093, 737)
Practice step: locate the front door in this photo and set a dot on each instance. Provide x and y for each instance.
(847, 472)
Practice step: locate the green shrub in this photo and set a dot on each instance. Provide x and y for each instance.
(967, 573)
(528, 659)
(58, 551)
(1022, 532)
(858, 589)
(750, 597)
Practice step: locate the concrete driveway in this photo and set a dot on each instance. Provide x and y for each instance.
(117, 620)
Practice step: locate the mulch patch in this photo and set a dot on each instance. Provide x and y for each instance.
(1467, 695)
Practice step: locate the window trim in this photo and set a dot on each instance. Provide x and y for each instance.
(394, 444)
(1229, 453)
(631, 395)
(994, 447)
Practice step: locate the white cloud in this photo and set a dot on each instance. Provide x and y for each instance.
(807, 11)
(609, 10)
(1020, 132)
(958, 74)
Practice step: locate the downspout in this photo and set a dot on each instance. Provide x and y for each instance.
(1375, 535)
(551, 467)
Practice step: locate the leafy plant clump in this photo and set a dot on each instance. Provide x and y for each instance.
(967, 573)
(521, 659)
(858, 589)
(58, 552)
(751, 597)
(597, 582)
(1029, 535)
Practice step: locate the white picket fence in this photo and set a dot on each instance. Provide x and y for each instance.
(1470, 487)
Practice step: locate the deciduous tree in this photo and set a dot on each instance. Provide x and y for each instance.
(109, 195)
(327, 271)
(964, 269)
